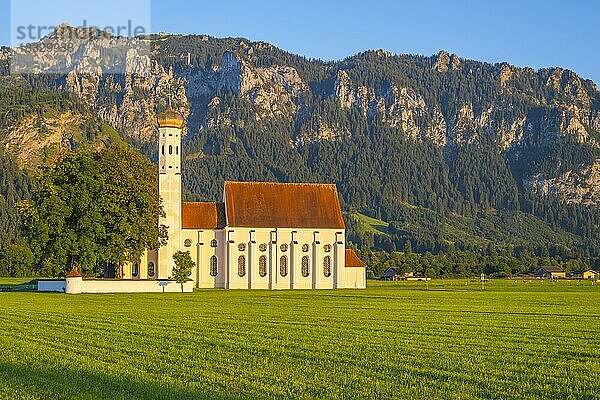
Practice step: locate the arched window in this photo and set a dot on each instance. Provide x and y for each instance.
(151, 271)
(213, 266)
(305, 266)
(241, 266)
(283, 268)
(176, 149)
(163, 150)
(213, 243)
(170, 149)
(135, 270)
(262, 266)
(327, 266)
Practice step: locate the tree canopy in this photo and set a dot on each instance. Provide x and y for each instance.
(93, 209)
(183, 267)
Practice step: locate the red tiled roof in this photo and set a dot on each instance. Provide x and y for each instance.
(283, 205)
(352, 259)
(205, 215)
(74, 273)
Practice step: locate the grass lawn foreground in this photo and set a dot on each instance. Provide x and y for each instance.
(513, 339)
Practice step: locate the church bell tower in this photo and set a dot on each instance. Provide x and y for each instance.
(170, 123)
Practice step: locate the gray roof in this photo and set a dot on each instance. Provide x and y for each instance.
(552, 268)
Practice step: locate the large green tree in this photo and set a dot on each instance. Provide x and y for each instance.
(92, 208)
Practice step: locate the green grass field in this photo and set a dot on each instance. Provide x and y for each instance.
(513, 339)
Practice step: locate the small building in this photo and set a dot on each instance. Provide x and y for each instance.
(392, 275)
(355, 270)
(585, 274)
(550, 272)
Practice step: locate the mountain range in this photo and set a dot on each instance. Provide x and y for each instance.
(438, 147)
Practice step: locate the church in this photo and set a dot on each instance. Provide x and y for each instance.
(262, 235)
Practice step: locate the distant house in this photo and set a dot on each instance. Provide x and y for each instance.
(392, 275)
(585, 274)
(550, 272)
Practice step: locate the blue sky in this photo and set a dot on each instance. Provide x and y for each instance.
(532, 33)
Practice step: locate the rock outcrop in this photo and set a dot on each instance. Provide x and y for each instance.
(446, 62)
(581, 187)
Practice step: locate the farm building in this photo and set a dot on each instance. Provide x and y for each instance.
(585, 274)
(550, 272)
(391, 274)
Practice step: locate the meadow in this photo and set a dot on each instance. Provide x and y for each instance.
(512, 339)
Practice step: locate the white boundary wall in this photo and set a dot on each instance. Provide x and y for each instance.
(117, 286)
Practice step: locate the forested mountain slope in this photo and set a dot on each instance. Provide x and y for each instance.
(455, 138)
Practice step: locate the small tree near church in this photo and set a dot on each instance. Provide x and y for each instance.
(183, 267)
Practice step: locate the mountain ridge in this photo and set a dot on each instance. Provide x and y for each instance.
(449, 134)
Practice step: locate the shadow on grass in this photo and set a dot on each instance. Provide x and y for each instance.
(37, 382)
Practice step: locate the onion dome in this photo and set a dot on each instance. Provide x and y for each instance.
(170, 119)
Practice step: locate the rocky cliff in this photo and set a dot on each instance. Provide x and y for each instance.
(443, 100)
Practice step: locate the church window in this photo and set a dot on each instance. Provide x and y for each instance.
(213, 266)
(151, 271)
(284, 247)
(135, 270)
(262, 266)
(327, 266)
(327, 248)
(187, 242)
(242, 247)
(283, 267)
(241, 266)
(163, 150)
(170, 149)
(262, 247)
(305, 247)
(305, 266)
(213, 243)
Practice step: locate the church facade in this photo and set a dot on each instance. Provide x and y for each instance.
(262, 235)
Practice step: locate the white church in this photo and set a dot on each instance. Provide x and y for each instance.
(262, 235)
